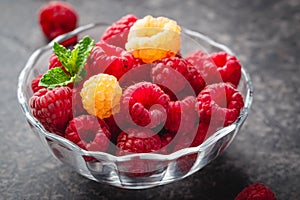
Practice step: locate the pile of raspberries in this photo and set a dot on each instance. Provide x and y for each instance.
(167, 105)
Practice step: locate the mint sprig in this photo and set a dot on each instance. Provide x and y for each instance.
(55, 77)
(73, 62)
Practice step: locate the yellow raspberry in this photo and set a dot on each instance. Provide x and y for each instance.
(152, 39)
(101, 95)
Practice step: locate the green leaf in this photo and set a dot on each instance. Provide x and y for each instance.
(73, 68)
(55, 77)
(63, 55)
(84, 47)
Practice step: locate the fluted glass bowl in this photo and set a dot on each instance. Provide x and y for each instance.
(111, 169)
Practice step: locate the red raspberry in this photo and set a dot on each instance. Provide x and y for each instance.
(35, 83)
(57, 18)
(256, 191)
(53, 108)
(208, 70)
(204, 131)
(184, 163)
(219, 104)
(89, 133)
(114, 128)
(228, 66)
(176, 74)
(117, 33)
(181, 115)
(109, 59)
(144, 103)
(137, 141)
(173, 142)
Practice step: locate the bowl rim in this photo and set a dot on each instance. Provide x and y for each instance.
(146, 156)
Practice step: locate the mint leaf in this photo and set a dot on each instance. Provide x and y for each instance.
(73, 68)
(55, 77)
(63, 55)
(84, 47)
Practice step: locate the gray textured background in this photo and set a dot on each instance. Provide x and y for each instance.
(265, 36)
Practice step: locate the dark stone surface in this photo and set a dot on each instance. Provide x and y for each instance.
(265, 36)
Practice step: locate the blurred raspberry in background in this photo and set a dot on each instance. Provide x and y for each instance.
(56, 18)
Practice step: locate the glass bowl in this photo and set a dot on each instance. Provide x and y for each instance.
(111, 169)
